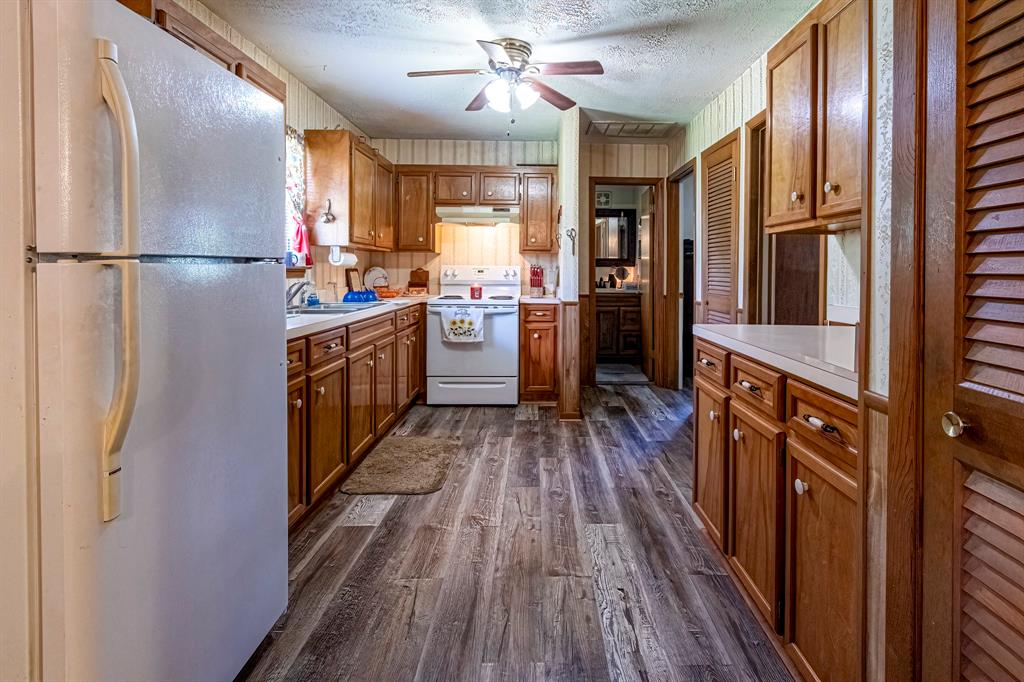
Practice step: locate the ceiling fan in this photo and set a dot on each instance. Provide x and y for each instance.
(508, 61)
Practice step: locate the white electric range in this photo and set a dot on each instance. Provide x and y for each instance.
(485, 373)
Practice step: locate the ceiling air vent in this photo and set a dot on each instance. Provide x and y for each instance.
(630, 128)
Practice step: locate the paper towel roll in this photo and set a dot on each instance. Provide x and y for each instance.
(342, 259)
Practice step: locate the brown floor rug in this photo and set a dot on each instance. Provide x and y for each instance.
(404, 465)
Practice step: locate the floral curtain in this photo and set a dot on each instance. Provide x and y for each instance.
(295, 191)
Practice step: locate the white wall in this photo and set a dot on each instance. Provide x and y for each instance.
(569, 163)
(18, 590)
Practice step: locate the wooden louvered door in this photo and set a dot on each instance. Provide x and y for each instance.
(720, 200)
(973, 366)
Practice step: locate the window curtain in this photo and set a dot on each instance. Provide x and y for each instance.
(295, 191)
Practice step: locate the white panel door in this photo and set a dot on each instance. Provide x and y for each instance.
(186, 582)
(211, 147)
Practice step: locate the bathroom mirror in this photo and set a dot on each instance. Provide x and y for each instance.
(615, 232)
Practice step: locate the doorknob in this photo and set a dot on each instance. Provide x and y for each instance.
(953, 425)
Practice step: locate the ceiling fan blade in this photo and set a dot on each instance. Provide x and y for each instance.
(478, 102)
(495, 52)
(447, 72)
(550, 95)
(591, 68)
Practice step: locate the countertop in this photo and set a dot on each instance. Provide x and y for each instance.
(304, 325)
(540, 300)
(824, 356)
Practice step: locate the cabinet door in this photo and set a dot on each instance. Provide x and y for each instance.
(842, 87)
(539, 366)
(384, 378)
(792, 78)
(417, 361)
(384, 205)
(326, 389)
(607, 331)
(298, 404)
(361, 405)
(710, 470)
(364, 174)
(455, 188)
(416, 217)
(403, 362)
(822, 624)
(499, 188)
(535, 223)
(756, 477)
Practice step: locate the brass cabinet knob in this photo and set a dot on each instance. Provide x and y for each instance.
(953, 425)
(800, 487)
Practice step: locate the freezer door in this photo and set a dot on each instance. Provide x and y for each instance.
(187, 581)
(211, 147)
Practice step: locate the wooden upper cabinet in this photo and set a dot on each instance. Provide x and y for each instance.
(451, 187)
(536, 222)
(343, 179)
(364, 178)
(842, 89)
(792, 90)
(415, 211)
(710, 468)
(757, 446)
(326, 390)
(384, 205)
(499, 188)
(822, 633)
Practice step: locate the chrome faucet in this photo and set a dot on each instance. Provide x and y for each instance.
(294, 290)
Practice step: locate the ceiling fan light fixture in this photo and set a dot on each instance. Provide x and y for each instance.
(499, 95)
(526, 95)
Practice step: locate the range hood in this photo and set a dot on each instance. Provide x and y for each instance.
(478, 215)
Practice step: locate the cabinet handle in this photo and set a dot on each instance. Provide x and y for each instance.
(536, 335)
(953, 425)
(533, 240)
(829, 187)
(369, 363)
(419, 239)
(737, 435)
(403, 319)
(297, 403)
(490, 194)
(291, 361)
(371, 233)
(820, 424)
(712, 415)
(795, 197)
(465, 194)
(413, 339)
(753, 388)
(800, 487)
(322, 390)
(707, 363)
(539, 314)
(381, 356)
(331, 346)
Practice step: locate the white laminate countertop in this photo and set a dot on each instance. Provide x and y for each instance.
(304, 325)
(540, 300)
(825, 356)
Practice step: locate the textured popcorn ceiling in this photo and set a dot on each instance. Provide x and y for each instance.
(663, 60)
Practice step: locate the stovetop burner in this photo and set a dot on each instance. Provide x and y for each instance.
(500, 298)
(450, 297)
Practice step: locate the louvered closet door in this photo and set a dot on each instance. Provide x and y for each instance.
(719, 242)
(973, 565)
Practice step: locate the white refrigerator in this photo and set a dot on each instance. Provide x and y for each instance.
(160, 328)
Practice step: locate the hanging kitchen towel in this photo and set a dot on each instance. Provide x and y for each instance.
(462, 324)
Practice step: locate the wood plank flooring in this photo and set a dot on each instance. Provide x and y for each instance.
(561, 551)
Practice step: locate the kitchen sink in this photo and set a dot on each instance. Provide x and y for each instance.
(333, 308)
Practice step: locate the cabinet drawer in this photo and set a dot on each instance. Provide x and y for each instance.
(365, 332)
(408, 317)
(711, 362)
(758, 386)
(824, 421)
(536, 312)
(295, 358)
(326, 346)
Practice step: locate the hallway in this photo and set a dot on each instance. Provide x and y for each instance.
(553, 551)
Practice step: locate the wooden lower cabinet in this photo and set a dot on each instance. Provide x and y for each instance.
(710, 463)
(538, 360)
(325, 387)
(361, 404)
(756, 456)
(822, 626)
(384, 386)
(408, 347)
(298, 406)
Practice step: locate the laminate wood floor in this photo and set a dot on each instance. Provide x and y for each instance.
(555, 550)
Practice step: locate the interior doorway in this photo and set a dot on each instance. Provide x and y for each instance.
(682, 209)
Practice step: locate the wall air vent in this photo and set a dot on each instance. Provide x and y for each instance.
(631, 128)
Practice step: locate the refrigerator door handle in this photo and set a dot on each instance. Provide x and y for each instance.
(115, 94)
(122, 405)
